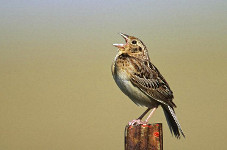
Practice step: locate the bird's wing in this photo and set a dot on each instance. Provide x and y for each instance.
(149, 80)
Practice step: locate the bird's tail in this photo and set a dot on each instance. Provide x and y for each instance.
(172, 121)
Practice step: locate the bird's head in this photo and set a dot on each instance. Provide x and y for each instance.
(133, 47)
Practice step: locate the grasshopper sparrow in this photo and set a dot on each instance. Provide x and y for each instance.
(141, 81)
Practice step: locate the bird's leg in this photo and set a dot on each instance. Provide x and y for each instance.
(138, 121)
(152, 112)
(141, 117)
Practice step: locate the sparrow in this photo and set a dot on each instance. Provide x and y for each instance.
(142, 82)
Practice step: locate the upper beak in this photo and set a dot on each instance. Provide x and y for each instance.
(126, 37)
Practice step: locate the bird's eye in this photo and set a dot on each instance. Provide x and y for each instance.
(134, 42)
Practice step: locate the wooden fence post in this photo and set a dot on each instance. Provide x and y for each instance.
(144, 137)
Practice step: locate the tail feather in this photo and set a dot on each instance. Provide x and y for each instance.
(172, 121)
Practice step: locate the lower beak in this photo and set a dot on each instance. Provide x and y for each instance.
(119, 45)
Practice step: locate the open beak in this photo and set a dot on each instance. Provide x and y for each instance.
(126, 37)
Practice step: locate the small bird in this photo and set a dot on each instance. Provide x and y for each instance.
(141, 81)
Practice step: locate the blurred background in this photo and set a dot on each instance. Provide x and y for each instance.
(56, 87)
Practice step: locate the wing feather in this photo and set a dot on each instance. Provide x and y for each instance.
(149, 80)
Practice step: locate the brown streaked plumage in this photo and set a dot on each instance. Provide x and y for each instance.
(141, 81)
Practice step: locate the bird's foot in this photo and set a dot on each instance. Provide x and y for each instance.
(136, 122)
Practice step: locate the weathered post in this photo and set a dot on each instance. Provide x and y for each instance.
(144, 137)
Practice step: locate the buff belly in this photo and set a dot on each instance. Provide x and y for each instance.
(134, 93)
